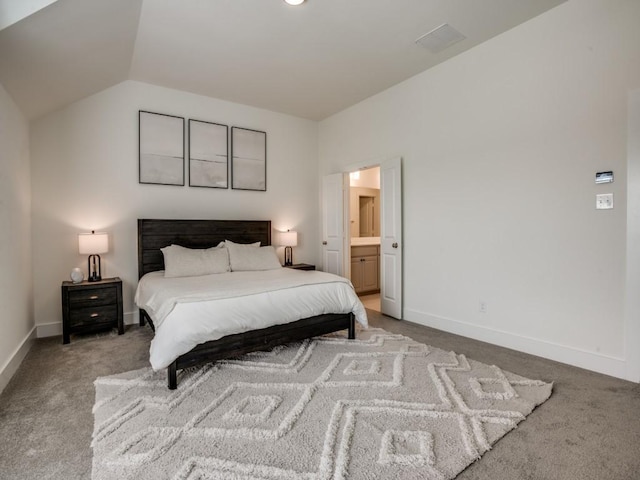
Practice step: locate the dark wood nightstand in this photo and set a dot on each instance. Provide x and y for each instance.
(301, 266)
(91, 306)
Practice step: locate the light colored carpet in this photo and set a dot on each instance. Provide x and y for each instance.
(382, 406)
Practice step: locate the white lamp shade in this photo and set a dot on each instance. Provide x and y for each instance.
(93, 243)
(289, 238)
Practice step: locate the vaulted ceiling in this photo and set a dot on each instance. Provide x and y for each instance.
(310, 61)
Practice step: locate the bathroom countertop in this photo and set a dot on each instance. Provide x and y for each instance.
(359, 241)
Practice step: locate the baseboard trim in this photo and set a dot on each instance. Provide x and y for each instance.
(11, 366)
(594, 361)
(54, 329)
(130, 318)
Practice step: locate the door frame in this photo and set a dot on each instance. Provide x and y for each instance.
(632, 280)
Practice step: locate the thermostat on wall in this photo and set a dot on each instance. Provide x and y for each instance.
(604, 177)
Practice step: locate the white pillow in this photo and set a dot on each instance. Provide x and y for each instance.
(248, 258)
(190, 262)
(227, 242)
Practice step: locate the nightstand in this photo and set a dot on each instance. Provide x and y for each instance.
(301, 266)
(91, 306)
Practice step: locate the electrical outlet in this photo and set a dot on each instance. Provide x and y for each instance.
(482, 307)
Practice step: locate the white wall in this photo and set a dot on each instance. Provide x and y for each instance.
(500, 147)
(85, 176)
(16, 314)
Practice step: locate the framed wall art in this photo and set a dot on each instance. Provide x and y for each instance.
(248, 159)
(208, 154)
(161, 148)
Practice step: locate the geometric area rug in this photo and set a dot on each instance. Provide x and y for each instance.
(379, 407)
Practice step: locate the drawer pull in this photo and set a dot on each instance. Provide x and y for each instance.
(93, 297)
(94, 315)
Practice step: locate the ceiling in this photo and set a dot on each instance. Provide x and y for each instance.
(310, 61)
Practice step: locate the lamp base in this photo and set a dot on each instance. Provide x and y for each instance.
(288, 256)
(94, 273)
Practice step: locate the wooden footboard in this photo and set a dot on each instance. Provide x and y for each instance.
(263, 339)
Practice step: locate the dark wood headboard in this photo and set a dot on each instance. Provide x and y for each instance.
(155, 234)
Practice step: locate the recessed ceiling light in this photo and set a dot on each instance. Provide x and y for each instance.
(294, 2)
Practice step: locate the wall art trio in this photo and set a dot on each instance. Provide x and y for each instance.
(162, 153)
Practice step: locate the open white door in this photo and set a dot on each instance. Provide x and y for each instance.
(333, 223)
(391, 238)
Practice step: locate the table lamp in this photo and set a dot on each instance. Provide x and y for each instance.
(288, 239)
(93, 244)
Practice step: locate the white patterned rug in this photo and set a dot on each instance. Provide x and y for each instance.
(382, 406)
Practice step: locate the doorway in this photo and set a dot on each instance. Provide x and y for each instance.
(364, 235)
(336, 230)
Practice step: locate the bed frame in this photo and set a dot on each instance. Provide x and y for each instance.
(156, 234)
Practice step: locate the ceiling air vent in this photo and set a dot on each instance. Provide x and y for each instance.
(440, 38)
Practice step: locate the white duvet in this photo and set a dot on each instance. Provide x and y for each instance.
(187, 311)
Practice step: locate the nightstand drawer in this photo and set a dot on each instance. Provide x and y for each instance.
(94, 316)
(89, 297)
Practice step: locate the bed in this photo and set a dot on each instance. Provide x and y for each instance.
(156, 234)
